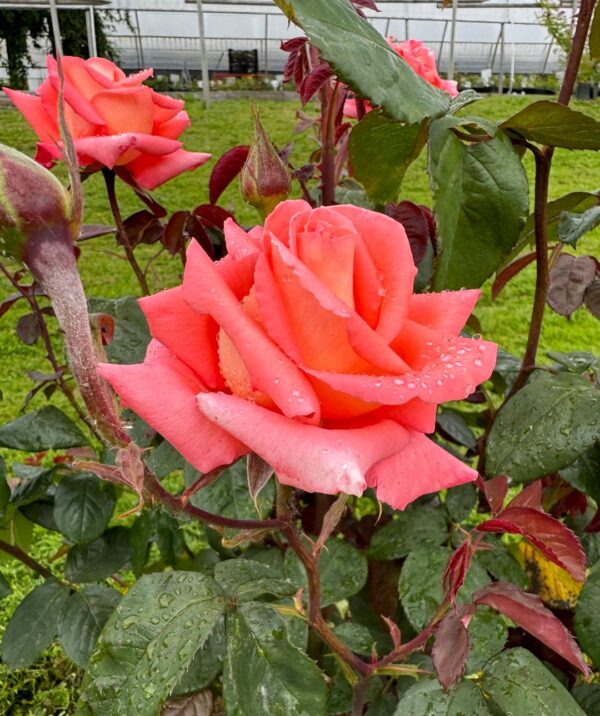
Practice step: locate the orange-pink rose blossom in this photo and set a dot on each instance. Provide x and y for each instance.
(115, 121)
(306, 345)
(422, 60)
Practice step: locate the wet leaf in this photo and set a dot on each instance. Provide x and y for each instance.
(428, 697)
(131, 336)
(487, 636)
(83, 505)
(450, 649)
(99, 559)
(572, 227)
(569, 280)
(587, 625)
(408, 530)
(244, 579)
(45, 429)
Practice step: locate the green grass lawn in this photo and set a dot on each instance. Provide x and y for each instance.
(48, 688)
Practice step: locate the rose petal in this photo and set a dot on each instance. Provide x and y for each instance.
(151, 172)
(305, 456)
(189, 336)
(446, 312)
(389, 248)
(33, 110)
(368, 290)
(451, 372)
(127, 109)
(79, 87)
(278, 221)
(420, 468)
(238, 243)
(163, 390)
(271, 370)
(174, 126)
(415, 415)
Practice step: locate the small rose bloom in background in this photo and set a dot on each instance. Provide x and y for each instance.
(422, 60)
(307, 346)
(115, 121)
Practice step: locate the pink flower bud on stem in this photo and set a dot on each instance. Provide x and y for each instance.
(265, 180)
(37, 226)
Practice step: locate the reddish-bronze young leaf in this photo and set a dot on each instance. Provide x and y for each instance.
(212, 216)
(594, 524)
(297, 65)
(314, 80)
(450, 650)
(510, 272)
(569, 280)
(418, 222)
(531, 496)
(556, 541)
(174, 236)
(457, 568)
(226, 169)
(528, 612)
(494, 491)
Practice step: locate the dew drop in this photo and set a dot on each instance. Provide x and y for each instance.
(398, 381)
(410, 385)
(478, 363)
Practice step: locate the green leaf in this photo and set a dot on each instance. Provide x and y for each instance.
(356, 637)
(229, 495)
(148, 641)
(587, 626)
(584, 473)
(481, 200)
(31, 488)
(131, 328)
(343, 571)
(45, 429)
(409, 529)
(33, 625)
(244, 579)
(454, 426)
(576, 361)
(544, 427)
(83, 505)
(5, 589)
(460, 501)
(164, 460)
(207, 663)
(588, 697)
(4, 488)
(420, 583)
(362, 59)
(572, 227)
(515, 682)
(487, 636)
(381, 150)
(99, 559)
(17, 530)
(84, 614)
(547, 122)
(501, 564)
(427, 698)
(264, 673)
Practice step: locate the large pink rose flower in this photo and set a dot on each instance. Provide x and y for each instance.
(422, 60)
(114, 120)
(306, 345)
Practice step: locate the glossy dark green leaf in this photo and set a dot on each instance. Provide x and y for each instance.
(169, 537)
(588, 697)
(206, 665)
(454, 426)
(244, 579)
(572, 227)
(83, 505)
(584, 473)
(356, 637)
(164, 459)
(264, 673)
(481, 200)
(381, 150)
(547, 122)
(427, 698)
(99, 559)
(544, 427)
(45, 429)
(420, 584)
(32, 488)
(84, 614)
(460, 501)
(342, 567)
(141, 533)
(5, 589)
(362, 59)
(33, 625)
(587, 625)
(515, 682)
(408, 530)
(41, 512)
(149, 641)
(502, 565)
(131, 329)
(4, 487)
(576, 361)
(487, 636)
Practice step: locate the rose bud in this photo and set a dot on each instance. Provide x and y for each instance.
(265, 180)
(36, 226)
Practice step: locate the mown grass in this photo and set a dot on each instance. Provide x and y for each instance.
(49, 688)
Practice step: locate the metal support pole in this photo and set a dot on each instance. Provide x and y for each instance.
(266, 47)
(547, 56)
(452, 40)
(138, 38)
(205, 76)
(406, 35)
(511, 82)
(501, 69)
(90, 24)
(442, 41)
(387, 27)
(55, 27)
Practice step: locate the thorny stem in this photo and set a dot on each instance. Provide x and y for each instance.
(328, 109)
(109, 180)
(543, 163)
(359, 696)
(23, 557)
(50, 355)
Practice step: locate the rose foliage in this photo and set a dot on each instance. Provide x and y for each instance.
(300, 481)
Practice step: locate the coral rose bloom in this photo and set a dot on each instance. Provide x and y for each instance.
(114, 121)
(422, 60)
(306, 345)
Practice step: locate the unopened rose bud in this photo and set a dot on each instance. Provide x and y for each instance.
(33, 203)
(265, 180)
